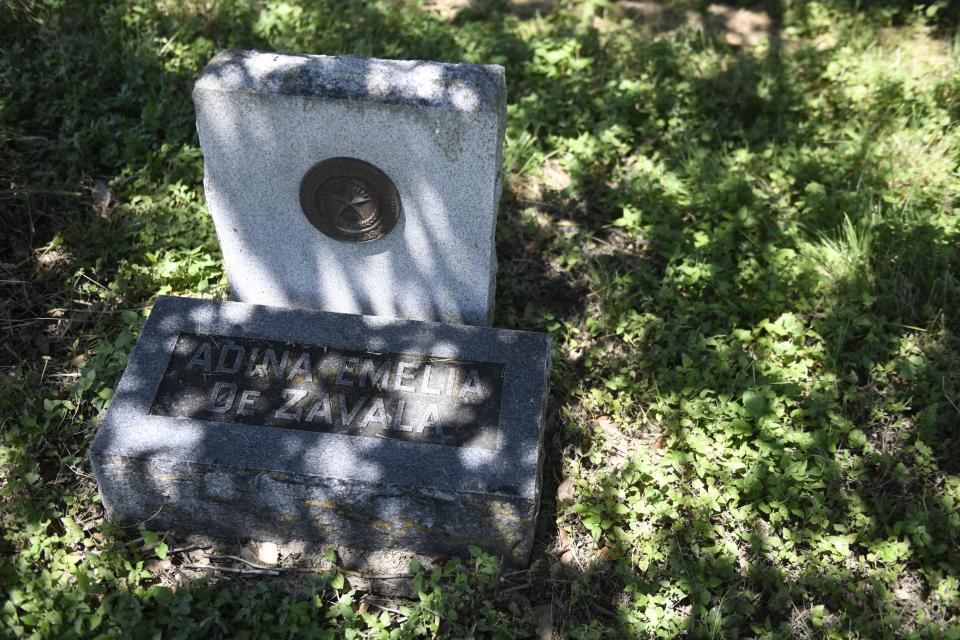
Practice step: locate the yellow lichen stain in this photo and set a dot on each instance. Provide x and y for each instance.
(503, 512)
(422, 529)
(377, 523)
(383, 525)
(410, 524)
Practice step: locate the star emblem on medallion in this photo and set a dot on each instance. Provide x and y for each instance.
(349, 200)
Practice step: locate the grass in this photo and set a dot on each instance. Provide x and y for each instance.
(746, 251)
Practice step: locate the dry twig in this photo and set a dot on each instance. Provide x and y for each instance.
(251, 572)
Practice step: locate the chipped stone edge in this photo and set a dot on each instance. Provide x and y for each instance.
(493, 97)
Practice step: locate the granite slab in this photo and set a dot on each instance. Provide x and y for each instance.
(434, 129)
(242, 420)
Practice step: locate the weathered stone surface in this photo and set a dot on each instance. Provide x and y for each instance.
(434, 129)
(241, 420)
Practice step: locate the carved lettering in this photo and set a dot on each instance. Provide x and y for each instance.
(402, 376)
(425, 382)
(378, 378)
(346, 365)
(271, 383)
(451, 380)
(376, 414)
(301, 368)
(346, 417)
(252, 362)
(321, 409)
(201, 358)
(398, 418)
(431, 418)
(222, 397)
(229, 350)
(247, 400)
(292, 397)
(471, 387)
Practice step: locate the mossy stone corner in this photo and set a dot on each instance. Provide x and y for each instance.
(242, 420)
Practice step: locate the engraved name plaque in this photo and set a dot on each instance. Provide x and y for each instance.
(322, 388)
(245, 421)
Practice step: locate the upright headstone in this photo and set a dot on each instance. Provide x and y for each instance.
(355, 185)
(346, 185)
(240, 420)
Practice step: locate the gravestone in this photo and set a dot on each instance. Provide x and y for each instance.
(242, 420)
(339, 184)
(355, 185)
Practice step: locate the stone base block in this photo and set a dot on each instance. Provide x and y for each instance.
(239, 420)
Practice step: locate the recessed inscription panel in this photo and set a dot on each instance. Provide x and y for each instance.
(321, 388)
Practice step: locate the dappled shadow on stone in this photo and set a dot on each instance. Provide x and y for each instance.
(718, 259)
(433, 129)
(206, 474)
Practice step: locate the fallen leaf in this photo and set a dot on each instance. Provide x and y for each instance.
(660, 441)
(566, 492)
(563, 537)
(156, 566)
(250, 552)
(602, 553)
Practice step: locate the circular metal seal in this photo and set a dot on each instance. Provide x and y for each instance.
(349, 200)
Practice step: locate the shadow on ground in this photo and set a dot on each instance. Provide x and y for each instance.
(700, 263)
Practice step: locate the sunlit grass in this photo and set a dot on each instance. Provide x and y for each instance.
(747, 258)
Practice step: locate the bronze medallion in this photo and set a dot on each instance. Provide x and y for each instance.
(349, 200)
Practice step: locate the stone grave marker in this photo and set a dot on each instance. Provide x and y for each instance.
(242, 420)
(355, 185)
(339, 184)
